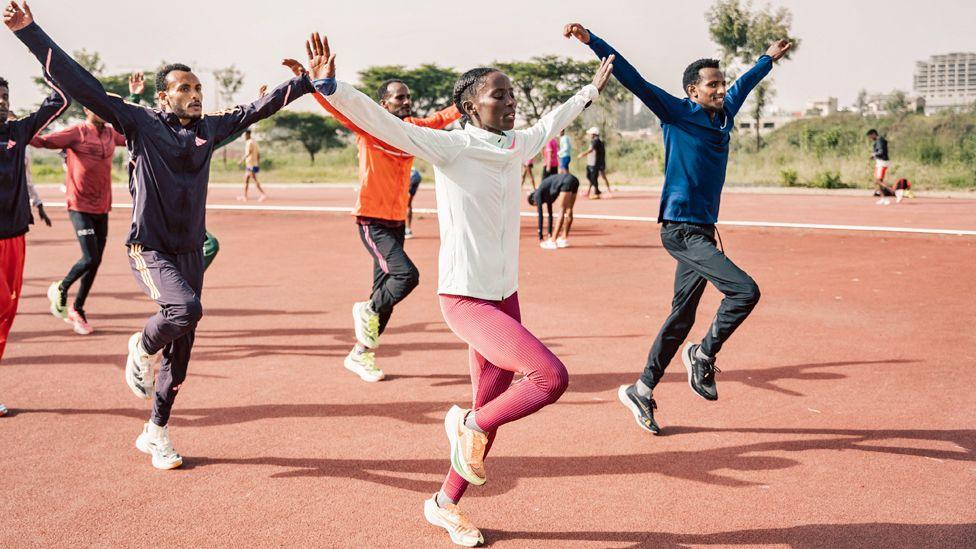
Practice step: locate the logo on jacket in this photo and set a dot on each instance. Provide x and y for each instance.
(201, 142)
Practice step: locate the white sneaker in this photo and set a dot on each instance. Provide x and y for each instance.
(154, 441)
(79, 321)
(364, 366)
(140, 368)
(451, 518)
(562, 243)
(367, 324)
(547, 244)
(58, 310)
(3, 410)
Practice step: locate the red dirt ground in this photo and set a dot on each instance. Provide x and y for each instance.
(845, 419)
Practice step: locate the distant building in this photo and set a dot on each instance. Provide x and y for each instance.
(822, 107)
(876, 104)
(947, 81)
(768, 123)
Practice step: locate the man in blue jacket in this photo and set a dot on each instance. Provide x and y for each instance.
(697, 132)
(170, 151)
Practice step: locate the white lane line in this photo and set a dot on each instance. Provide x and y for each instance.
(641, 219)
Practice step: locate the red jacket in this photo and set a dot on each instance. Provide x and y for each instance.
(90, 152)
(384, 171)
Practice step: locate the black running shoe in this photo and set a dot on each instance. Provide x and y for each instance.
(701, 372)
(642, 408)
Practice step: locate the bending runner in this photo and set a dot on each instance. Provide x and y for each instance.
(170, 152)
(696, 135)
(91, 148)
(561, 187)
(477, 173)
(15, 210)
(381, 211)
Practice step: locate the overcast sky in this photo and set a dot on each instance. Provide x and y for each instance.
(847, 44)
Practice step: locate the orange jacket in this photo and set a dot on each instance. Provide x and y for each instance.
(384, 171)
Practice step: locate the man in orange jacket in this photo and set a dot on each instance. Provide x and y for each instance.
(381, 212)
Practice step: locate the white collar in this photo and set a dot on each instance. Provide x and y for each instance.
(505, 140)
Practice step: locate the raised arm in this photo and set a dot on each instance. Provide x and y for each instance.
(72, 78)
(52, 107)
(57, 140)
(435, 146)
(241, 117)
(537, 136)
(665, 106)
(739, 91)
(439, 120)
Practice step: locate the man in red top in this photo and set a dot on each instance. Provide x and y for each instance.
(381, 212)
(91, 147)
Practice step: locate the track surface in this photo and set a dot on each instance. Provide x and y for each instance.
(845, 418)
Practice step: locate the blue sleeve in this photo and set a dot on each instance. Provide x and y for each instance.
(75, 80)
(325, 86)
(665, 106)
(241, 117)
(739, 91)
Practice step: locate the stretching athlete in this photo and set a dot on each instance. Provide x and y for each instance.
(697, 130)
(15, 210)
(170, 151)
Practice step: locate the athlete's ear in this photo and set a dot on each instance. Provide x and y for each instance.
(468, 107)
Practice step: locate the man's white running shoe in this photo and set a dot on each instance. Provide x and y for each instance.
(367, 323)
(58, 310)
(140, 368)
(547, 244)
(154, 441)
(450, 518)
(363, 365)
(79, 322)
(562, 243)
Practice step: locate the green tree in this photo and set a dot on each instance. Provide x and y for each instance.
(314, 131)
(743, 34)
(897, 103)
(92, 62)
(431, 86)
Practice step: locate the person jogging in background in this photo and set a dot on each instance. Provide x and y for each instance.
(15, 209)
(560, 188)
(879, 153)
(170, 152)
(91, 149)
(596, 163)
(252, 165)
(565, 152)
(415, 179)
(550, 158)
(381, 212)
(477, 172)
(697, 131)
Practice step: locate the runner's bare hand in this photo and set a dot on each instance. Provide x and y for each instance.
(778, 49)
(603, 74)
(321, 60)
(296, 67)
(16, 17)
(137, 83)
(577, 31)
(262, 91)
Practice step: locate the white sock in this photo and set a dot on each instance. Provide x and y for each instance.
(470, 423)
(442, 500)
(643, 391)
(700, 354)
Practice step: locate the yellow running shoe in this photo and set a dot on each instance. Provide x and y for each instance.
(451, 518)
(363, 365)
(467, 447)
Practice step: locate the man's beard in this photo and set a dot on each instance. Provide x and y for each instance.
(184, 114)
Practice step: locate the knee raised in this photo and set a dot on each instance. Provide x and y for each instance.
(555, 381)
(186, 314)
(751, 293)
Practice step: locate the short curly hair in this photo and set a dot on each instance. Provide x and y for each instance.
(692, 74)
(164, 72)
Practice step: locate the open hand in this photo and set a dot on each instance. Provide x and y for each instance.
(577, 31)
(602, 75)
(137, 83)
(262, 91)
(296, 67)
(321, 60)
(16, 17)
(778, 49)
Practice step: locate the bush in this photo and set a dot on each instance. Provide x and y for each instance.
(828, 180)
(930, 153)
(789, 177)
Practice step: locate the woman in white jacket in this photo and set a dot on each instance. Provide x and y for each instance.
(477, 172)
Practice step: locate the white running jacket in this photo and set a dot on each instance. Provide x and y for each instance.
(477, 177)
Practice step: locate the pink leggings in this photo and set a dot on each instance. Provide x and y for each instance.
(498, 348)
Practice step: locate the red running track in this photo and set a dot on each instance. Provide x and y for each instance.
(845, 418)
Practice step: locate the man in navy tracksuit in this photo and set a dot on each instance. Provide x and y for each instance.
(696, 140)
(170, 151)
(15, 212)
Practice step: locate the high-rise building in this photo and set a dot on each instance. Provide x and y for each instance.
(947, 81)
